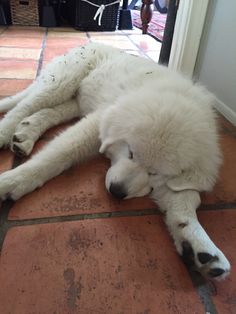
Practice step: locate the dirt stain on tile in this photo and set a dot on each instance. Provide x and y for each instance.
(83, 203)
(152, 264)
(74, 288)
(77, 242)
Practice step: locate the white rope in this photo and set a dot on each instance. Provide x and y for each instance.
(100, 9)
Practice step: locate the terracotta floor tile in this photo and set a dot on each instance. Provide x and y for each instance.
(79, 190)
(18, 42)
(115, 42)
(226, 127)
(136, 53)
(70, 33)
(53, 48)
(24, 32)
(50, 53)
(221, 227)
(63, 29)
(65, 42)
(154, 55)
(117, 37)
(117, 32)
(145, 42)
(225, 191)
(6, 158)
(94, 267)
(133, 31)
(19, 53)
(10, 87)
(18, 69)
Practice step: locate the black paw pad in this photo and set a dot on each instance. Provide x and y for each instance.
(205, 257)
(18, 151)
(215, 272)
(187, 254)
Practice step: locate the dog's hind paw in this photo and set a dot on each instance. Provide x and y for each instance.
(210, 262)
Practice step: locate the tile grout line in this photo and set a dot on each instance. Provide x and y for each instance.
(4, 226)
(5, 208)
(41, 57)
(216, 206)
(204, 291)
(20, 47)
(7, 224)
(117, 214)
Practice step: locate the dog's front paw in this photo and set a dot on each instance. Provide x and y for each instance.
(21, 144)
(209, 261)
(16, 183)
(8, 184)
(23, 139)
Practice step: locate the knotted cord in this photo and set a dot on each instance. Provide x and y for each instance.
(100, 9)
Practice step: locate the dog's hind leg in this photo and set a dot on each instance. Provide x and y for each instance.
(76, 144)
(10, 102)
(192, 242)
(57, 83)
(31, 128)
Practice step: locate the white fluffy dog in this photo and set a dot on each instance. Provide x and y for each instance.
(157, 128)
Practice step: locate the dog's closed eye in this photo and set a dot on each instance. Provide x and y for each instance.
(152, 173)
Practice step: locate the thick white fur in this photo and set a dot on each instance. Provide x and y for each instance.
(157, 128)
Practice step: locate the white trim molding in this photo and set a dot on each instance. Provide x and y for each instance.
(226, 111)
(187, 34)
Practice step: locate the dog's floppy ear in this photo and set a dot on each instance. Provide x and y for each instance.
(184, 182)
(105, 145)
(108, 142)
(113, 145)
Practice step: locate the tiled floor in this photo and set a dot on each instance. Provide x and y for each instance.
(71, 248)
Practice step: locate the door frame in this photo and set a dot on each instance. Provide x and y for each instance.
(187, 35)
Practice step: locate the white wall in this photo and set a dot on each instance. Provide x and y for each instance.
(216, 61)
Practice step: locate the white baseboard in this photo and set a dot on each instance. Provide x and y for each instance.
(226, 111)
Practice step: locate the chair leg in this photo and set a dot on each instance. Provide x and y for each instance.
(2, 16)
(146, 14)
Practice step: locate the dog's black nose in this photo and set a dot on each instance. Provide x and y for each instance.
(117, 190)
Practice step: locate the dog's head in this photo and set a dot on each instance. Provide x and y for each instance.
(150, 145)
(126, 177)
